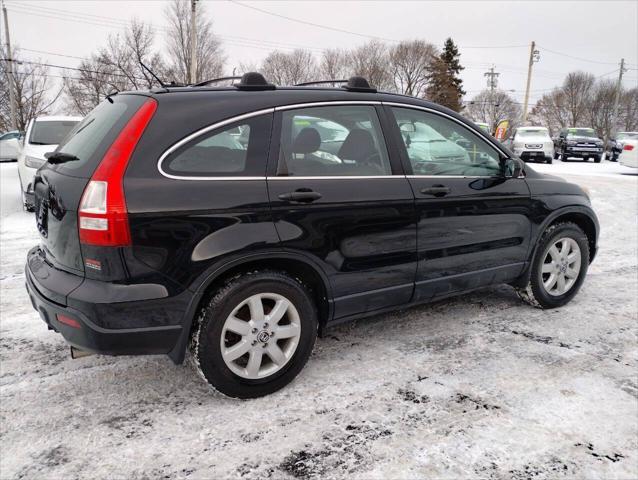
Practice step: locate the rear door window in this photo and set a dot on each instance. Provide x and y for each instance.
(236, 150)
(343, 140)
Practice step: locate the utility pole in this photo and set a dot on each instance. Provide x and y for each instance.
(492, 79)
(618, 87)
(193, 74)
(10, 77)
(492, 82)
(533, 57)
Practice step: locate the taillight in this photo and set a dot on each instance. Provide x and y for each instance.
(102, 215)
(628, 147)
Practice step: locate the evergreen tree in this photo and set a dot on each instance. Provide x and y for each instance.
(446, 87)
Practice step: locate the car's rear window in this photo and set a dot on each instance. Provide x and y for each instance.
(90, 138)
(50, 132)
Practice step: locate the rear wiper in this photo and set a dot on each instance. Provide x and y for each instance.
(59, 157)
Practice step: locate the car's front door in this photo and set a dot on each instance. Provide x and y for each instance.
(474, 223)
(340, 197)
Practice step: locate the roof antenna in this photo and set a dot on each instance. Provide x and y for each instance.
(162, 84)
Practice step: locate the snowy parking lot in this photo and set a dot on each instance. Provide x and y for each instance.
(481, 386)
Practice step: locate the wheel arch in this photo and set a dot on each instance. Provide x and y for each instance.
(582, 216)
(295, 264)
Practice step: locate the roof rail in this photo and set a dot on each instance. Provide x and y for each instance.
(254, 81)
(359, 84)
(214, 80)
(319, 82)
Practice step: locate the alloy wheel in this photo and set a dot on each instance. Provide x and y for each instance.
(561, 266)
(260, 335)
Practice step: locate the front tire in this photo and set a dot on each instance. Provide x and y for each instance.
(558, 268)
(255, 335)
(597, 158)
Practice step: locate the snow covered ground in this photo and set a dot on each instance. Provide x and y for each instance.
(479, 386)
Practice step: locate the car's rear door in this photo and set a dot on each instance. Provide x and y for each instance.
(340, 197)
(473, 223)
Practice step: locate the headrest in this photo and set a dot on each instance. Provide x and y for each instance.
(358, 145)
(306, 141)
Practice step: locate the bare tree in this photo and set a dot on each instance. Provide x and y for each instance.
(115, 67)
(33, 91)
(371, 61)
(577, 90)
(291, 68)
(333, 65)
(549, 111)
(600, 108)
(493, 107)
(628, 111)
(411, 64)
(209, 54)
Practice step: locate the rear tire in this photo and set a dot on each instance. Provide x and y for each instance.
(255, 335)
(562, 252)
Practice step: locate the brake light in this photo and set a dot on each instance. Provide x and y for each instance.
(628, 147)
(103, 217)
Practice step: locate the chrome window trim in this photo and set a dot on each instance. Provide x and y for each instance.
(479, 133)
(337, 177)
(201, 132)
(256, 113)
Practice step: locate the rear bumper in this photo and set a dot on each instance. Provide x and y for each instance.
(86, 334)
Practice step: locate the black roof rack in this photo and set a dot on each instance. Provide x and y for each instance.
(214, 80)
(359, 84)
(319, 82)
(254, 81)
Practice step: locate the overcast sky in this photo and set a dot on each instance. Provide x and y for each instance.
(598, 33)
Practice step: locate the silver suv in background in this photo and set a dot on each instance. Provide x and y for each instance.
(532, 144)
(43, 135)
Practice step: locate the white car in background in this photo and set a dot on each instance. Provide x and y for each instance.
(10, 146)
(629, 153)
(533, 144)
(43, 135)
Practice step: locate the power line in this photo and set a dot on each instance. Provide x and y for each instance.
(229, 39)
(305, 22)
(576, 58)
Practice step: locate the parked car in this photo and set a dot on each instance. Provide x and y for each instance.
(10, 145)
(43, 135)
(155, 238)
(629, 154)
(533, 144)
(580, 143)
(615, 144)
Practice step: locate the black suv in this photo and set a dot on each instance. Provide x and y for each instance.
(243, 221)
(581, 143)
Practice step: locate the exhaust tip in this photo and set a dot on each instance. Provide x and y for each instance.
(77, 353)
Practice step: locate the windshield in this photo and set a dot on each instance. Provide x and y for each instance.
(581, 132)
(626, 135)
(50, 132)
(540, 132)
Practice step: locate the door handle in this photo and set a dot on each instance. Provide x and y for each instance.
(301, 195)
(436, 190)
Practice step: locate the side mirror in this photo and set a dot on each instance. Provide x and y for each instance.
(513, 168)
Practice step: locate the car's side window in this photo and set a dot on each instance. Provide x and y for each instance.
(235, 150)
(436, 145)
(340, 140)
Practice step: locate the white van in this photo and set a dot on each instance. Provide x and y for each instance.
(43, 135)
